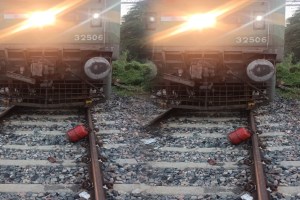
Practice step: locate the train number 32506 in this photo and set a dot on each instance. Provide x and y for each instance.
(88, 37)
(250, 40)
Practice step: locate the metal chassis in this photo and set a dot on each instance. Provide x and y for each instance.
(235, 94)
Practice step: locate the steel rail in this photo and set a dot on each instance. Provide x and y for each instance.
(97, 178)
(160, 117)
(2, 114)
(260, 178)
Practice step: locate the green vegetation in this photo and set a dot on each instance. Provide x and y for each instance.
(132, 75)
(292, 37)
(288, 77)
(291, 93)
(289, 73)
(130, 91)
(133, 32)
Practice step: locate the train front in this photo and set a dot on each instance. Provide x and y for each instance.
(215, 54)
(57, 52)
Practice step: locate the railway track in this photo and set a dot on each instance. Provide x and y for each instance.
(279, 138)
(39, 162)
(183, 158)
(186, 156)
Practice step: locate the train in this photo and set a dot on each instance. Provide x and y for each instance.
(213, 55)
(57, 53)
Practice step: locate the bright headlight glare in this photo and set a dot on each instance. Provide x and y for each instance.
(259, 18)
(151, 19)
(96, 20)
(96, 15)
(259, 22)
(40, 19)
(200, 21)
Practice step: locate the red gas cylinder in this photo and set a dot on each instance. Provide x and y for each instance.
(77, 133)
(239, 135)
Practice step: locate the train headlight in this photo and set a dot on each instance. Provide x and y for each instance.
(96, 15)
(259, 18)
(40, 19)
(151, 21)
(201, 21)
(259, 22)
(96, 20)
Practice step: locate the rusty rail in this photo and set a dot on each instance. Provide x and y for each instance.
(97, 178)
(160, 117)
(260, 178)
(2, 114)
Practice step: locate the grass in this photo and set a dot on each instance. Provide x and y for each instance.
(288, 75)
(131, 91)
(133, 76)
(294, 93)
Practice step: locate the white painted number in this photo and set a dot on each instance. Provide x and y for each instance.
(88, 37)
(250, 40)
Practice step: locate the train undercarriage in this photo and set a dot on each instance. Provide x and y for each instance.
(51, 93)
(214, 80)
(54, 78)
